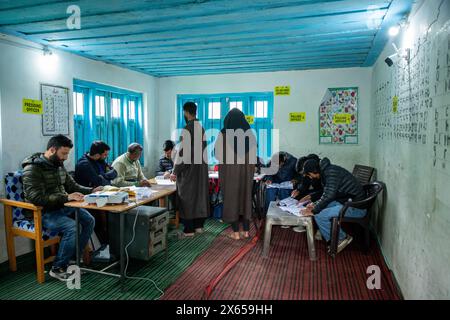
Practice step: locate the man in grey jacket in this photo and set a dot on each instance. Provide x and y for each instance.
(339, 186)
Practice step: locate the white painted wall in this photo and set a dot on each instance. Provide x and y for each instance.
(414, 229)
(21, 72)
(307, 91)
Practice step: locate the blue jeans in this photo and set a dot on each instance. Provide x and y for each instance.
(272, 193)
(323, 218)
(61, 222)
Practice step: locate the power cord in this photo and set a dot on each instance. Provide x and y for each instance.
(128, 258)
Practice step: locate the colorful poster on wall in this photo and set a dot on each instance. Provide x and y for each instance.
(338, 116)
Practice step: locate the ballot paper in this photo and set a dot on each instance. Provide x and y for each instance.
(164, 182)
(142, 192)
(283, 185)
(292, 206)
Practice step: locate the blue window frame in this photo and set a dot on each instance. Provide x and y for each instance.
(212, 109)
(106, 113)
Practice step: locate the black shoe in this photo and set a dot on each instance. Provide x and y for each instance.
(59, 273)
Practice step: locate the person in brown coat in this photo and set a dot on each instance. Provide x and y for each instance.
(191, 174)
(235, 149)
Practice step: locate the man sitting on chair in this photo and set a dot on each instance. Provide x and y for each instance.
(129, 170)
(46, 183)
(339, 186)
(286, 173)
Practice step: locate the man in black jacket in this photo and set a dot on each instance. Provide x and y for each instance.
(307, 189)
(92, 170)
(339, 186)
(46, 183)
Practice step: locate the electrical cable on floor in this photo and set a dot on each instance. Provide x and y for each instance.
(233, 261)
(128, 258)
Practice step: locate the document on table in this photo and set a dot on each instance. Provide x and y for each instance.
(292, 206)
(283, 185)
(164, 182)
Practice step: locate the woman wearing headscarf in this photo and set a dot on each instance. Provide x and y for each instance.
(235, 149)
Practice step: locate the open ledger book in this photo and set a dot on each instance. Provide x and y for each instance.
(293, 206)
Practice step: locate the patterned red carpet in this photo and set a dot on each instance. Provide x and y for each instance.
(287, 274)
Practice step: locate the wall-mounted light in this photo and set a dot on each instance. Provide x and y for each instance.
(394, 30)
(48, 60)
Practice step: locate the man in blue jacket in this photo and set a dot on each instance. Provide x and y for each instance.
(339, 185)
(92, 170)
(286, 173)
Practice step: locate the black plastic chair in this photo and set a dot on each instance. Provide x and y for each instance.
(372, 190)
(363, 173)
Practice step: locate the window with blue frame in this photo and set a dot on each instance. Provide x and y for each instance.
(106, 113)
(212, 109)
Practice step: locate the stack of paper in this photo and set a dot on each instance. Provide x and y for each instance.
(164, 182)
(283, 185)
(292, 206)
(142, 192)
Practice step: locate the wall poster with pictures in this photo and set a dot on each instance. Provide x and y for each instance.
(55, 119)
(338, 116)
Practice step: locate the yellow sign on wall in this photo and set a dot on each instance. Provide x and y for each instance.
(342, 118)
(250, 119)
(32, 106)
(297, 117)
(395, 104)
(283, 91)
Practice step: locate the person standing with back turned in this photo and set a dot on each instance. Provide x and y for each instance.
(191, 174)
(235, 149)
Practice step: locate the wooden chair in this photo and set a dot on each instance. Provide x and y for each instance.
(372, 190)
(363, 173)
(16, 225)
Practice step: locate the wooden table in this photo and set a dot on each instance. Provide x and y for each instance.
(162, 193)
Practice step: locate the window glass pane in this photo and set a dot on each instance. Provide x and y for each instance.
(131, 110)
(236, 104)
(78, 103)
(261, 109)
(214, 110)
(99, 106)
(115, 108)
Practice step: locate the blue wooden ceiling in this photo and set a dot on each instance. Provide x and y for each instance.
(192, 37)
